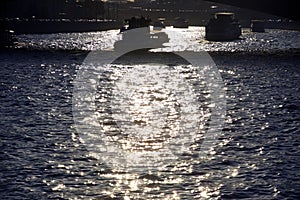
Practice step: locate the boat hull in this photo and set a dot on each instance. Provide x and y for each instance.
(222, 27)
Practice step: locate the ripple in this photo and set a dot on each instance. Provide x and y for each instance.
(192, 39)
(43, 157)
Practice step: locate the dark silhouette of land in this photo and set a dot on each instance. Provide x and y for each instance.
(52, 9)
(50, 16)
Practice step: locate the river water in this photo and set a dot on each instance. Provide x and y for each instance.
(142, 104)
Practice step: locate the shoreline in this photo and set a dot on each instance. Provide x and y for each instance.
(59, 26)
(76, 26)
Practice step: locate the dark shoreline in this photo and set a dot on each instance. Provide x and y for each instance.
(59, 26)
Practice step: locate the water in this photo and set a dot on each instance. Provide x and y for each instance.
(256, 156)
(189, 39)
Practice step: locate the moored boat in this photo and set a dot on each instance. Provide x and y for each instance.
(159, 24)
(135, 22)
(136, 34)
(222, 27)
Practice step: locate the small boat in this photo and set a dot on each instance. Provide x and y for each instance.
(135, 22)
(222, 27)
(136, 34)
(159, 24)
(180, 23)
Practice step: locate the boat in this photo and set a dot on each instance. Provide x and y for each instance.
(222, 27)
(136, 34)
(135, 22)
(180, 23)
(159, 24)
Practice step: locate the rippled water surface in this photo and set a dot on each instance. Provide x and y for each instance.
(44, 156)
(180, 39)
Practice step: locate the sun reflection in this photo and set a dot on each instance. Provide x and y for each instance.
(209, 192)
(150, 116)
(151, 106)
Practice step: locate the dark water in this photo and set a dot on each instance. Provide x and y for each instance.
(44, 156)
(256, 157)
